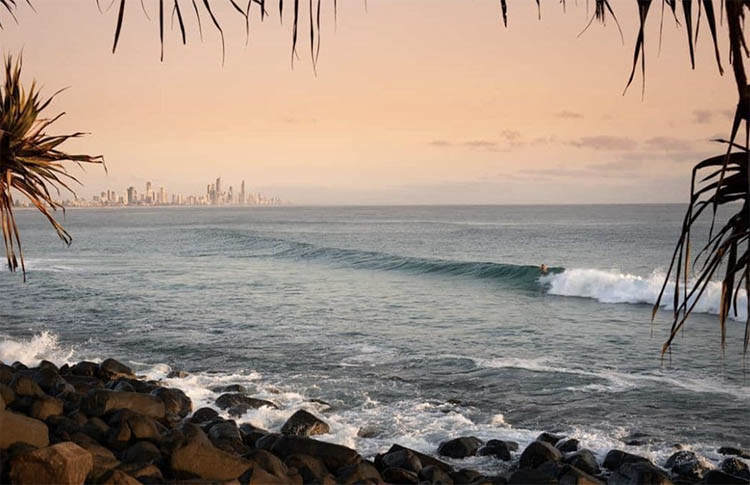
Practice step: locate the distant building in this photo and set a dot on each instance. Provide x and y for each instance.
(132, 196)
(242, 194)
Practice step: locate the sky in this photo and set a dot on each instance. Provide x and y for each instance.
(412, 102)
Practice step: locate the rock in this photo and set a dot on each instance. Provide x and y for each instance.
(258, 476)
(118, 437)
(687, 464)
(143, 428)
(497, 448)
(464, 476)
(584, 460)
(718, 477)
(238, 404)
(268, 461)
(639, 473)
(402, 459)
(84, 368)
(143, 471)
(96, 428)
(61, 463)
(568, 446)
(175, 401)
(549, 438)
(267, 441)
(460, 447)
(226, 436)
(230, 388)
(538, 452)
(15, 428)
(124, 386)
(103, 459)
(112, 369)
(399, 475)
(101, 401)
(735, 466)
(203, 415)
(302, 423)
(177, 374)
(729, 450)
(526, 476)
(333, 456)
(616, 458)
(45, 406)
(194, 455)
(117, 477)
(61, 428)
(251, 434)
(142, 452)
(310, 468)
(2, 404)
(23, 385)
(358, 473)
(570, 475)
(426, 460)
(434, 474)
(49, 380)
(368, 431)
(7, 394)
(6, 373)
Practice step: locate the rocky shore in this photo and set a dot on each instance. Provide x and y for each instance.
(99, 423)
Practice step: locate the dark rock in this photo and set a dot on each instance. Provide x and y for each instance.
(256, 475)
(142, 452)
(399, 475)
(84, 368)
(112, 369)
(7, 394)
(538, 452)
(549, 438)
(226, 436)
(303, 423)
(96, 428)
(50, 381)
(403, 459)
(117, 477)
(718, 477)
(143, 427)
(426, 460)
(368, 431)
(123, 386)
(497, 448)
(334, 456)
(230, 388)
(267, 441)
(141, 471)
(213, 463)
(24, 386)
(310, 468)
(118, 437)
(358, 473)
(251, 434)
(460, 447)
(527, 476)
(464, 476)
(203, 415)
(238, 404)
(6, 373)
(570, 475)
(616, 458)
(687, 464)
(584, 460)
(177, 374)
(104, 459)
(83, 384)
(16, 428)
(175, 401)
(19, 366)
(568, 446)
(45, 406)
(735, 466)
(434, 474)
(101, 401)
(639, 473)
(61, 463)
(270, 462)
(729, 450)
(61, 428)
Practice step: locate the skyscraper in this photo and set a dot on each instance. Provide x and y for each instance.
(218, 191)
(131, 196)
(242, 199)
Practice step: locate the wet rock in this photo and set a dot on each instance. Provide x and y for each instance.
(497, 448)
(568, 446)
(399, 475)
(103, 459)
(333, 456)
(203, 415)
(112, 369)
(526, 476)
(15, 428)
(251, 434)
(194, 455)
(49, 380)
(143, 472)
(729, 450)
(358, 473)
(687, 464)
(238, 404)
(226, 436)
(143, 427)
(537, 453)
(639, 473)
(117, 477)
(570, 475)
(464, 476)
(368, 431)
(268, 461)
(6, 373)
(584, 460)
(7, 394)
(175, 401)
(83, 384)
(616, 458)
(718, 477)
(236, 388)
(177, 374)
(84, 368)
(403, 459)
(735, 466)
(426, 460)
(61, 463)
(256, 475)
(101, 401)
(96, 428)
(460, 447)
(142, 452)
(303, 423)
(118, 437)
(124, 386)
(45, 406)
(549, 438)
(310, 468)
(61, 428)
(267, 441)
(434, 474)
(24, 386)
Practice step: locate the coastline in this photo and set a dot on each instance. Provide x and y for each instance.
(112, 426)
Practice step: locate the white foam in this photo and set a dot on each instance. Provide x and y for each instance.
(616, 287)
(42, 346)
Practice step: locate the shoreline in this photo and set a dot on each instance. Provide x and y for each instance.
(135, 430)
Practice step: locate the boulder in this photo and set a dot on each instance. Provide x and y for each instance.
(584, 460)
(45, 406)
(203, 415)
(401, 459)
(568, 446)
(225, 435)
(332, 455)
(238, 404)
(251, 434)
(175, 401)
(143, 471)
(735, 466)
(526, 476)
(399, 475)
(310, 468)
(268, 461)
(267, 441)
(639, 473)
(718, 477)
(426, 460)
(464, 476)
(687, 464)
(549, 438)
(103, 459)
(96, 428)
(118, 437)
(143, 427)
(460, 447)
(6, 373)
(102, 401)
(230, 388)
(537, 453)
(65, 463)
(23, 385)
(434, 474)
(142, 452)
(616, 458)
(85, 368)
(177, 374)
(570, 475)
(117, 477)
(195, 456)
(303, 423)
(7, 394)
(258, 476)
(15, 428)
(732, 451)
(497, 448)
(358, 473)
(112, 369)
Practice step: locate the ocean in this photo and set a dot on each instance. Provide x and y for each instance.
(410, 325)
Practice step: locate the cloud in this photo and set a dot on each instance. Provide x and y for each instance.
(440, 143)
(668, 143)
(481, 144)
(569, 115)
(604, 142)
(702, 116)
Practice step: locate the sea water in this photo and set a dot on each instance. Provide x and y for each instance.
(416, 324)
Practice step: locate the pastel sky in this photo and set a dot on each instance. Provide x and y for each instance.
(414, 102)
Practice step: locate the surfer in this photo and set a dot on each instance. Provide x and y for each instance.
(544, 269)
